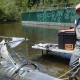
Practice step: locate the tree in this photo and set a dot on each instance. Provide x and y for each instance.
(33, 2)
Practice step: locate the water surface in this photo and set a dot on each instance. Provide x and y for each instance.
(53, 65)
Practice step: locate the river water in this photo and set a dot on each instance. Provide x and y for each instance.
(52, 65)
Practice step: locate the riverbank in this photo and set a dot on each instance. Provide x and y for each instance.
(47, 24)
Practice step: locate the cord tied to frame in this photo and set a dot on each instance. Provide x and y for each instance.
(73, 75)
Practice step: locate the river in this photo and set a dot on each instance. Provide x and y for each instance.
(53, 65)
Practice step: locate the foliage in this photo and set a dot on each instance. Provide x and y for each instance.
(45, 4)
(10, 10)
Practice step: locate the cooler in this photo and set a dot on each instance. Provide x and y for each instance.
(67, 40)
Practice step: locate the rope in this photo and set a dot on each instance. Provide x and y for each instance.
(73, 75)
(68, 71)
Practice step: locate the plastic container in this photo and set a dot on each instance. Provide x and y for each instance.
(67, 40)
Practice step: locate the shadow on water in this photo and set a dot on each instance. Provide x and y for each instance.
(56, 59)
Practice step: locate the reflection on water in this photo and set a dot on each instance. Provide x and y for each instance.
(41, 34)
(12, 29)
(54, 66)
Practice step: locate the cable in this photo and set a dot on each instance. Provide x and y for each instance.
(68, 71)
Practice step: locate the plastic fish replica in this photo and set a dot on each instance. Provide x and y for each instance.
(20, 69)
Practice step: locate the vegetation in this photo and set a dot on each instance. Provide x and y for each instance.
(10, 10)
